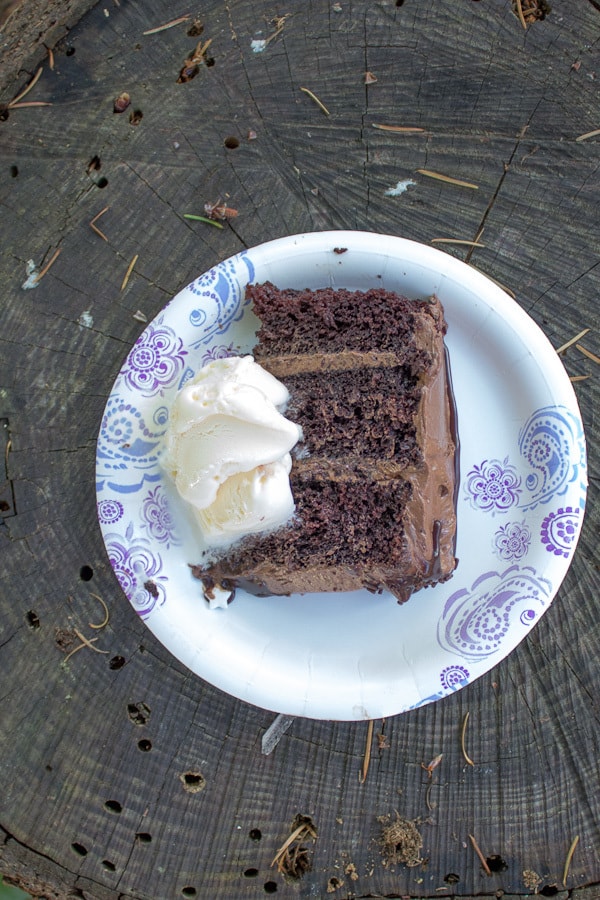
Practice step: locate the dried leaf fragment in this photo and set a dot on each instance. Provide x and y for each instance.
(121, 102)
(370, 78)
(191, 65)
(219, 210)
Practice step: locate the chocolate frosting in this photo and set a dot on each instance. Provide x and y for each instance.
(428, 520)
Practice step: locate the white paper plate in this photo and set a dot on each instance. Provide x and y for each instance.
(355, 655)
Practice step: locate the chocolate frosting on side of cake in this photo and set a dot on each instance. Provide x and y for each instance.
(377, 522)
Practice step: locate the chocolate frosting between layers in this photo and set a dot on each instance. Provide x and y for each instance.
(424, 552)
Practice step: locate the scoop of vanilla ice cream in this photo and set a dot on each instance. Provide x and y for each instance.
(227, 449)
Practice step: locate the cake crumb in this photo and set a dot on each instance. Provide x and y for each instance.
(351, 872)
(531, 880)
(401, 841)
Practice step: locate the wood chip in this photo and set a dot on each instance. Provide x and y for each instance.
(448, 179)
(575, 378)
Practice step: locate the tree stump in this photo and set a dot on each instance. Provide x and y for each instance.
(124, 776)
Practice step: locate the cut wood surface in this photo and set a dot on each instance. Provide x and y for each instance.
(123, 775)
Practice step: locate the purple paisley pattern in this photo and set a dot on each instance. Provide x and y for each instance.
(552, 446)
(494, 486)
(138, 571)
(219, 351)
(476, 622)
(128, 447)
(512, 541)
(155, 361)
(157, 519)
(222, 294)
(559, 531)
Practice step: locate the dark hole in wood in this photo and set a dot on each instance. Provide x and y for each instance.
(32, 619)
(145, 745)
(139, 713)
(496, 863)
(86, 573)
(189, 891)
(196, 28)
(117, 662)
(79, 848)
(143, 837)
(451, 878)
(70, 51)
(231, 142)
(14, 171)
(113, 806)
(549, 890)
(102, 182)
(4, 506)
(250, 873)
(108, 865)
(94, 164)
(193, 782)
(399, 2)
(4, 114)
(255, 834)
(209, 62)
(48, 768)
(270, 887)
(135, 117)
(333, 884)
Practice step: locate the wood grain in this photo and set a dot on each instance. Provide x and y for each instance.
(500, 108)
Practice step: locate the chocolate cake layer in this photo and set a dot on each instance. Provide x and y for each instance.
(374, 479)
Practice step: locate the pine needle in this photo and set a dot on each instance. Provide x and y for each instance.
(482, 858)
(26, 90)
(456, 241)
(41, 274)
(573, 340)
(589, 354)
(316, 100)
(569, 858)
(468, 759)
(167, 25)
(105, 608)
(362, 777)
(129, 271)
(399, 129)
(448, 179)
(588, 135)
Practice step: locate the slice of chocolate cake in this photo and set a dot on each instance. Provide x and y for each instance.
(374, 477)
